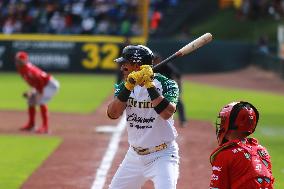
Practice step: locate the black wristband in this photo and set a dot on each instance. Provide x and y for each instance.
(124, 94)
(153, 93)
(161, 106)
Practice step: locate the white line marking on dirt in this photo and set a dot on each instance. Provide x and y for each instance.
(106, 163)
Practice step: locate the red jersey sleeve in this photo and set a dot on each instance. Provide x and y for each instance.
(34, 76)
(220, 176)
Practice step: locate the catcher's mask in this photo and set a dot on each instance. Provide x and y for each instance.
(136, 54)
(240, 116)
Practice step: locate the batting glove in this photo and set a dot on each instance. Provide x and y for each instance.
(133, 79)
(148, 76)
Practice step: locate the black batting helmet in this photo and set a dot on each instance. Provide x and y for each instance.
(138, 54)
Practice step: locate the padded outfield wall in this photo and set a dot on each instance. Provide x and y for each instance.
(214, 57)
(85, 54)
(64, 53)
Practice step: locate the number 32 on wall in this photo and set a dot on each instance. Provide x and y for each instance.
(100, 56)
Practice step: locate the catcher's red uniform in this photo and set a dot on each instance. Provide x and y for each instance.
(241, 164)
(34, 76)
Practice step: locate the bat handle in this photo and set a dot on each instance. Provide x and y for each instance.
(173, 56)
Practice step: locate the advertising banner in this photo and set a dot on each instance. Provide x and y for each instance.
(63, 53)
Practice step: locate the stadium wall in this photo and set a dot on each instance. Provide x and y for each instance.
(84, 54)
(96, 54)
(216, 56)
(268, 62)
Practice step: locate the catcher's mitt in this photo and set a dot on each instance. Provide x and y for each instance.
(32, 97)
(27, 94)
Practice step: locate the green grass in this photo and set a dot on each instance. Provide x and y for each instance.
(203, 102)
(223, 25)
(79, 93)
(20, 156)
(203, 107)
(82, 93)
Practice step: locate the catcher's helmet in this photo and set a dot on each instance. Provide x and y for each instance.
(240, 116)
(138, 54)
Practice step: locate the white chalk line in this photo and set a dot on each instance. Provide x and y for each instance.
(106, 163)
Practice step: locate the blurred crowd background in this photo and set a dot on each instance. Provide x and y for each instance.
(108, 17)
(255, 9)
(115, 17)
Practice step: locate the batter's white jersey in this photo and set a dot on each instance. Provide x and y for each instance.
(145, 127)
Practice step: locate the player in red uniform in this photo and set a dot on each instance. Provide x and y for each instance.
(43, 88)
(239, 162)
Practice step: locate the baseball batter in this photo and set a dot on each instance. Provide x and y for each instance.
(150, 102)
(43, 88)
(239, 162)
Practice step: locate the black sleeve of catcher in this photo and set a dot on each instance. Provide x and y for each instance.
(124, 94)
(161, 106)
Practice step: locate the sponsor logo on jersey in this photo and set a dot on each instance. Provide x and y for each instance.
(215, 168)
(135, 118)
(139, 122)
(236, 150)
(140, 126)
(262, 153)
(247, 155)
(214, 177)
(139, 104)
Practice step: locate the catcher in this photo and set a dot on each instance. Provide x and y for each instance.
(149, 101)
(239, 162)
(43, 88)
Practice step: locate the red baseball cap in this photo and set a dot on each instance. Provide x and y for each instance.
(22, 55)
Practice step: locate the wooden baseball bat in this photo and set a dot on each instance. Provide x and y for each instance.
(190, 47)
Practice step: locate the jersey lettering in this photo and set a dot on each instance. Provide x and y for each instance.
(139, 104)
(134, 118)
(140, 126)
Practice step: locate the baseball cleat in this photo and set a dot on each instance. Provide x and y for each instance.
(42, 130)
(27, 127)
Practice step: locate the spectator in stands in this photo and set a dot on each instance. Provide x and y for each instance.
(255, 9)
(65, 17)
(156, 18)
(115, 17)
(88, 25)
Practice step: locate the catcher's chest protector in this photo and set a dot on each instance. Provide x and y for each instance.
(256, 161)
(260, 162)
